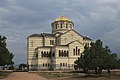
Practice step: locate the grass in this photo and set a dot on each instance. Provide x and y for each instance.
(58, 75)
(4, 74)
(115, 75)
(51, 75)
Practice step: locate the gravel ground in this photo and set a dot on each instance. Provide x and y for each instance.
(24, 76)
(33, 76)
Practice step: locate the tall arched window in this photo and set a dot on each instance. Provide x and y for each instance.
(67, 53)
(76, 51)
(41, 53)
(59, 53)
(66, 25)
(62, 53)
(53, 54)
(73, 51)
(36, 55)
(61, 25)
(55, 26)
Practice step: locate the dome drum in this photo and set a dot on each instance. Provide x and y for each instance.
(62, 24)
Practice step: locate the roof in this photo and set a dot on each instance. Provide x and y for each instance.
(47, 35)
(43, 47)
(42, 35)
(70, 30)
(62, 18)
(75, 41)
(35, 35)
(86, 38)
(60, 46)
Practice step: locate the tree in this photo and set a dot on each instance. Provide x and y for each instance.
(97, 58)
(5, 56)
(22, 66)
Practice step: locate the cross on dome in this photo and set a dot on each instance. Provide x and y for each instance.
(62, 18)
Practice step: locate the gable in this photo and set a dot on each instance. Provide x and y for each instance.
(69, 36)
(71, 31)
(75, 43)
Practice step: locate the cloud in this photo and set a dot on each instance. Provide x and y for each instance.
(112, 38)
(94, 18)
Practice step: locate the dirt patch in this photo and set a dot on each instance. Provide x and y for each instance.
(23, 76)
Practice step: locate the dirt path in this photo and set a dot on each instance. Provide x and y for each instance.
(24, 76)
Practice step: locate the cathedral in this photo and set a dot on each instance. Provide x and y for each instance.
(56, 50)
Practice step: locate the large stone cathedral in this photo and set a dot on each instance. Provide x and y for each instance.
(57, 50)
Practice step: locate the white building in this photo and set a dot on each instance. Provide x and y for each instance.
(57, 50)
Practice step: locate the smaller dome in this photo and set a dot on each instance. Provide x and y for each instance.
(62, 18)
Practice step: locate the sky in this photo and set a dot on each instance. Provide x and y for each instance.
(97, 19)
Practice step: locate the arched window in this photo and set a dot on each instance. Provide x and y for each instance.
(73, 51)
(51, 42)
(55, 26)
(36, 55)
(78, 51)
(50, 54)
(59, 53)
(61, 25)
(67, 53)
(66, 25)
(41, 53)
(47, 54)
(63, 64)
(62, 53)
(53, 54)
(60, 64)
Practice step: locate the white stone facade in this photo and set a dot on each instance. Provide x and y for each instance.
(57, 50)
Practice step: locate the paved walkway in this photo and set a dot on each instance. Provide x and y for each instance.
(24, 76)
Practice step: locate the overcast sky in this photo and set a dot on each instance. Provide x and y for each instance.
(98, 19)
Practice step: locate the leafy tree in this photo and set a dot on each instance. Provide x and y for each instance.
(5, 56)
(97, 58)
(117, 64)
(21, 66)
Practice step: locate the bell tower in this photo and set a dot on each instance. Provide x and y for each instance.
(61, 25)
